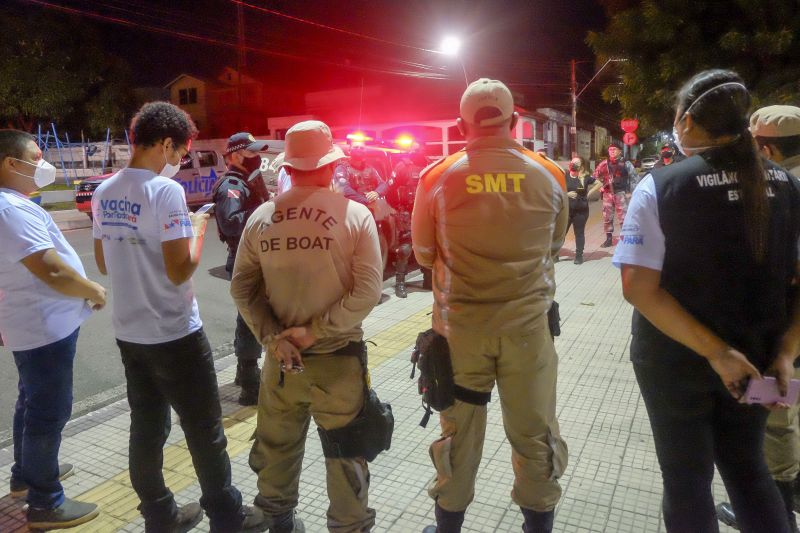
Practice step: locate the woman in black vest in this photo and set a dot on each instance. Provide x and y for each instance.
(709, 257)
(578, 183)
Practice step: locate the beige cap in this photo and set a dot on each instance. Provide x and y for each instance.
(487, 93)
(776, 121)
(309, 146)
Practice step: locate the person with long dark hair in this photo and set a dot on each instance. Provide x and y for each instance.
(709, 255)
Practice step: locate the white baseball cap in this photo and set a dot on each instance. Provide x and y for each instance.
(485, 93)
(776, 121)
(309, 146)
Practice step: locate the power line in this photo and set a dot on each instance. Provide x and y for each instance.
(221, 42)
(331, 28)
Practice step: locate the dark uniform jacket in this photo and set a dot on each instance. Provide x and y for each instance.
(708, 266)
(235, 201)
(355, 183)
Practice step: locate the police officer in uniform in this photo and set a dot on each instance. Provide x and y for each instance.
(709, 258)
(617, 176)
(506, 210)
(776, 129)
(307, 272)
(358, 180)
(402, 185)
(236, 195)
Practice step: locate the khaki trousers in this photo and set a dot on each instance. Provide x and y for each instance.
(331, 389)
(524, 367)
(782, 442)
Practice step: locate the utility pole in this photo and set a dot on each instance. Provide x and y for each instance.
(241, 59)
(574, 128)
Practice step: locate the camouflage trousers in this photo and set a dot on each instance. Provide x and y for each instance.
(618, 202)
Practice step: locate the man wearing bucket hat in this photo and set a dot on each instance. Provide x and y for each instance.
(236, 195)
(506, 214)
(307, 272)
(776, 129)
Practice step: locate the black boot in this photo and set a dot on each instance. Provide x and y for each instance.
(400, 286)
(537, 522)
(248, 376)
(578, 258)
(609, 241)
(786, 489)
(446, 521)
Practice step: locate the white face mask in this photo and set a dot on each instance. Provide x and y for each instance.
(698, 149)
(169, 170)
(44, 175)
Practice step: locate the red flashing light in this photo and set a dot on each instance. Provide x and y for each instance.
(404, 141)
(358, 137)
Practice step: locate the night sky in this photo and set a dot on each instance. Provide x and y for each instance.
(526, 43)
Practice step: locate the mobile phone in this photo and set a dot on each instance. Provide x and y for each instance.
(765, 391)
(205, 209)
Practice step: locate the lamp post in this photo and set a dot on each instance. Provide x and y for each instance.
(576, 94)
(450, 47)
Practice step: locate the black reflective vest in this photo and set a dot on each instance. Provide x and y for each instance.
(708, 265)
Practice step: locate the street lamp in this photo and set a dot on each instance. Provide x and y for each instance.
(450, 46)
(575, 95)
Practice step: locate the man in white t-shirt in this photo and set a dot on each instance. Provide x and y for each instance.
(44, 299)
(150, 245)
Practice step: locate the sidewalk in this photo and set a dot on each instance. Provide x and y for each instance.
(67, 219)
(612, 482)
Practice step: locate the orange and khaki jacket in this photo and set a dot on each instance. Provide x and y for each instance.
(488, 220)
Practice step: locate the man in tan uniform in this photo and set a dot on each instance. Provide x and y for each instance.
(776, 129)
(488, 219)
(307, 272)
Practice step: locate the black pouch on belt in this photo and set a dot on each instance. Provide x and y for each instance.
(436, 385)
(369, 433)
(554, 320)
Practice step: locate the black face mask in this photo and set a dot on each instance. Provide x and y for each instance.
(574, 168)
(252, 163)
(666, 155)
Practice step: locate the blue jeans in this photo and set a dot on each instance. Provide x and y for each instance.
(43, 407)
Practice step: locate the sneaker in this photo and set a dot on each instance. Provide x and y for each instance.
(188, 517)
(254, 520)
(608, 243)
(578, 259)
(69, 514)
(19, 489)
(429, 529)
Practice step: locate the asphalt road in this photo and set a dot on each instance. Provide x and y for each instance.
(99, 375)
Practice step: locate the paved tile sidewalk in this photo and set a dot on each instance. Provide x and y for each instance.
(612, 482)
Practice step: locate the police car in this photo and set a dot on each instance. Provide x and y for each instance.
(197, 177)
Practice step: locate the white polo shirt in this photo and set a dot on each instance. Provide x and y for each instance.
(32, 314)
(134, 212)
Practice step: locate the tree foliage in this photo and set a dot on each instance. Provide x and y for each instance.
(668, 41)
(54, 69)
